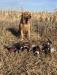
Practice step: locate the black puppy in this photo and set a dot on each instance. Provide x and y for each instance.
(13, 48)
(46, 47)
(25, 45)
(35, 49)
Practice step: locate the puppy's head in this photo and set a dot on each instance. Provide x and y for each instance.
(26, 16)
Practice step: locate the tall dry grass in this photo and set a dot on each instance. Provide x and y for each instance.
(44, 25)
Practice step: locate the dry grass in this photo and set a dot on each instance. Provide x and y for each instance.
(24, 63)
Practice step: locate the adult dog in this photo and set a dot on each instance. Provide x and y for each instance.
(24, 25)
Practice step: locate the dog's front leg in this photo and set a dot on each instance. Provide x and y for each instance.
(22, 35)
(29, 35)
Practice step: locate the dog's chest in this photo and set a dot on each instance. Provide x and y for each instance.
(26, 27)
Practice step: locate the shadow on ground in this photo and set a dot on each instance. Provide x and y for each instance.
(14, 31)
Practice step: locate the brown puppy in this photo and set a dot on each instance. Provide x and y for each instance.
(24, 26)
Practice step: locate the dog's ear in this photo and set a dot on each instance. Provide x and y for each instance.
(29, 15)
(49, 41)
(22, 15)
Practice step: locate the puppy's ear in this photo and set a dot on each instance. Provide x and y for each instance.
(29, 15)
(22, 14)
(49, 41)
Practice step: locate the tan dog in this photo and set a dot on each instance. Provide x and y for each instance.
(25, 25)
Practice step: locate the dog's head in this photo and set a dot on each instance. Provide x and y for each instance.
(26, 16)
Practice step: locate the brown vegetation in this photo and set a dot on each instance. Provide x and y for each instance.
(44, 25)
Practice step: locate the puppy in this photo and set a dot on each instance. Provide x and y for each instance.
(24, 26)
(36, 49)
(46, 47)
(13, 48)
(25, 45)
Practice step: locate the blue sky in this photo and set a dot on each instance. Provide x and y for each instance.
(32, 5)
